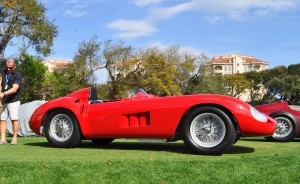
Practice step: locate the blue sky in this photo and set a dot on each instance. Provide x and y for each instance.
(266, 29)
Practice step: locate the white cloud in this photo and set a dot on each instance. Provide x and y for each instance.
(238, 10)
(143, 3)
(75, 13)
(130, 29)
(213, 11)
(184, 49)
(213, 19)
(166, 13)
(78, 8)
(232, 9)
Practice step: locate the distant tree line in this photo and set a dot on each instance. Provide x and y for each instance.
(162, 72)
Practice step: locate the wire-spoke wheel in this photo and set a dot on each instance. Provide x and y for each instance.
(208, 130)
(61, 129)
(286, 129)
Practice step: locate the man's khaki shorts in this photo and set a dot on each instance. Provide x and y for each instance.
(10, 110)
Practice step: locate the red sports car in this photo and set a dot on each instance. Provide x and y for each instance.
(288, 118)
(208, 124)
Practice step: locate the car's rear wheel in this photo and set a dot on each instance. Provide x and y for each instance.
(61, 129)
(286, 129)
(102, 141)
(208, 130)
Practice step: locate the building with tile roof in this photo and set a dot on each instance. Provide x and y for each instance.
(235, 64)
(55, 64)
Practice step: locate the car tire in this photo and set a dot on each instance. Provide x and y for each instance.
(61, 129)
(286, 129)
(102, 141)
(208, 130)
(237, 138)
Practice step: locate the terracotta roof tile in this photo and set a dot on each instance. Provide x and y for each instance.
(229, 59)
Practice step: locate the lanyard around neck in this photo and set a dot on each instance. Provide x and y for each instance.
(7, 77)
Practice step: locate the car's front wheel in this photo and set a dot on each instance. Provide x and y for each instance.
(286, 129)
(61, 129)
(208, 130)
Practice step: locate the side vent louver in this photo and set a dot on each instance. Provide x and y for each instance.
(136, 120)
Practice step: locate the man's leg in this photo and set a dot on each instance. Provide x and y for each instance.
(13, 109)
(3, 123)
(15, 124)
(3, 130)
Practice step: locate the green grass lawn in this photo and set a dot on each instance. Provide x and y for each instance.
(251, 160)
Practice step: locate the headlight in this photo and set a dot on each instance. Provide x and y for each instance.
(258, 115)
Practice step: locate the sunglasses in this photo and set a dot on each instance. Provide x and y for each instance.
(10, 67)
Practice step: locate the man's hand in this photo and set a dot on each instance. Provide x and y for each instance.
(2, 95)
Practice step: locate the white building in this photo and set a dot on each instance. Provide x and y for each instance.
(54, 64)
(235, 64)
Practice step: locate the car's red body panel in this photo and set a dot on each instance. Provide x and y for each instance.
(146, 117)
(281, 106)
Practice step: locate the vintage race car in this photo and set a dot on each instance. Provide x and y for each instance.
(207, 123)
(288, 118)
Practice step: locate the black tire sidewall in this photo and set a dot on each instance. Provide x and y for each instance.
(74, 139)
(224, 145)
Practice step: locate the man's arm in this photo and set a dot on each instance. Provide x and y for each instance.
(12, 90)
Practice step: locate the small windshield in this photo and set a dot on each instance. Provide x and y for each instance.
(136, 92)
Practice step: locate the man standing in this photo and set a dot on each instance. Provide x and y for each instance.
(10, 95)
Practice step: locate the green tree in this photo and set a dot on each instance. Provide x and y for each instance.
(117, 59)
(237, 84)
(256, 88)
(185, 65)
(294, 69)
(274, 83)
(86, 62)
(33, 71)
(130, 76)
(204, 80)
(160, 74)
(56, 84)
(25, 20)
(164, 71)
(102, 91)
(79, 74)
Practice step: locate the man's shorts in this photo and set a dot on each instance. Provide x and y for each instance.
(11, 110)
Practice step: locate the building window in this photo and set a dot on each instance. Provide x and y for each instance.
(227, 68)
(256, 68)
(247, 68)
(218, 68)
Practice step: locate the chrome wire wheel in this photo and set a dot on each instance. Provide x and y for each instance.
(284, 127)
(61, 127)
(207, 130)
